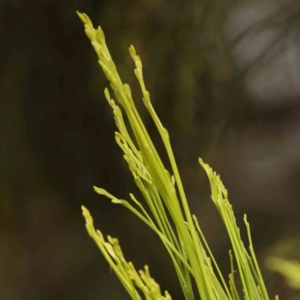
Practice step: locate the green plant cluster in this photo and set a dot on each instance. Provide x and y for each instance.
(169, 217)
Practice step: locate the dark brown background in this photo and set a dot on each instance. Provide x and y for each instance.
(224, 79)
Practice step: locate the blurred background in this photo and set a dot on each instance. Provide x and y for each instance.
(224, 78)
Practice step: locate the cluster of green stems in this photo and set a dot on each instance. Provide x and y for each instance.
(168, 213)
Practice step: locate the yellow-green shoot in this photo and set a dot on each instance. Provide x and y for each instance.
(168, 213)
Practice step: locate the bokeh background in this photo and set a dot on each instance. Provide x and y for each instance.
(224, 77)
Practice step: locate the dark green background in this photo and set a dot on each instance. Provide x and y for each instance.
(57, 139)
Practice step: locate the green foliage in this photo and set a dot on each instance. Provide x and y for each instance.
(165, 196)
(290, 269)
